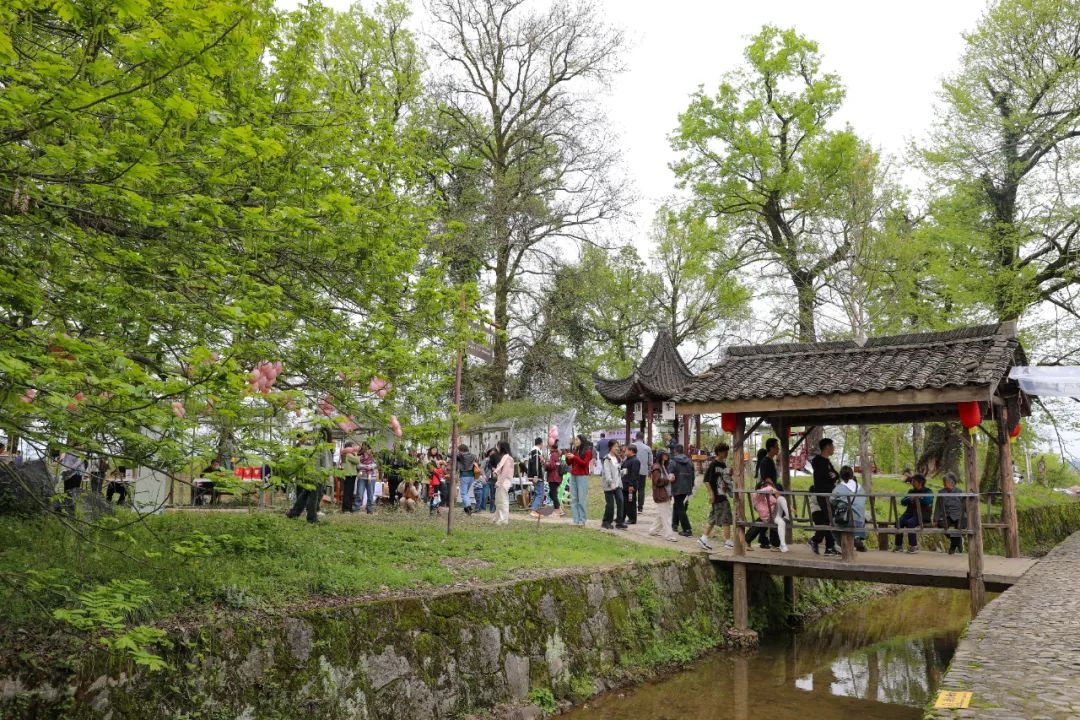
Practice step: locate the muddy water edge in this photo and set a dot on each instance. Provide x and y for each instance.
(880, 659)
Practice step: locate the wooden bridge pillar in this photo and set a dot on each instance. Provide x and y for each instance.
(1008, 497)
(740, 605)
(975, 543)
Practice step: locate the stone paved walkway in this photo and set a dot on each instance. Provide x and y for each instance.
(1020, 657)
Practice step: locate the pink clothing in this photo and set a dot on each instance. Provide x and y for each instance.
(504, 472)
(764, 501)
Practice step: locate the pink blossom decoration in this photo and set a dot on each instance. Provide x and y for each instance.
(395, 425)
(178, 409)
(29, 395)
(379, 386)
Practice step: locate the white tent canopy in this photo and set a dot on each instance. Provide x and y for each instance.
(1048, 381)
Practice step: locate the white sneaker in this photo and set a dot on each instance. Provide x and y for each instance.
(729, 544)
(783, 548)
(704, 543)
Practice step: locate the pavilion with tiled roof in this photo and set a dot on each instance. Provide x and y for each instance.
(656, 379)
(956, 375)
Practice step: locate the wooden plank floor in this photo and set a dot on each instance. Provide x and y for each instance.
(931, 569)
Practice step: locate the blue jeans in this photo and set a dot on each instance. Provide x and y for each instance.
(490, 495)
(364, 486)
(466, 492)
(579, 497)
(539, 490)
(907, 521)
(859, 534)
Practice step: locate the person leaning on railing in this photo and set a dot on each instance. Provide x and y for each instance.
(918, 504)
(849, 506)
(949, 512)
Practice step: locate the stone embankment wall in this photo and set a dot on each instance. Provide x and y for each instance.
(427, 656)
(1020, 658)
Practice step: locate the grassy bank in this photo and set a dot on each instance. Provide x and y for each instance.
(195, 563)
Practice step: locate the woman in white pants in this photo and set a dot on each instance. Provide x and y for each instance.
(770, 504)
(662, 497)
(504, 473)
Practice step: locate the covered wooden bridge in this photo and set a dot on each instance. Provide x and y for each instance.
(929, 377)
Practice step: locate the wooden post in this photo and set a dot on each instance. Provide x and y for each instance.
(847, 546)
(649, 424)
(697, 433)
(686, 432)
(975, 548)
(781, 430)
(864, 458)
(1008, 498)
(739, 604)
(629, 418)
(738, 439)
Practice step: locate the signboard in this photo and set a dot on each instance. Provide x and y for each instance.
(669, 410)
(952, 699)
(481, 350)
(639, 412)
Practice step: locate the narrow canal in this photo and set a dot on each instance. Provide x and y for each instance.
(881, 659)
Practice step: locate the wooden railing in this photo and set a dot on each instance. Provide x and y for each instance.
(877, 521)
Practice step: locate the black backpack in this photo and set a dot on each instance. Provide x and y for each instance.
(536, 464)
(842, 509)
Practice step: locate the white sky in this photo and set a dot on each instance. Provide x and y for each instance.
(890, 56)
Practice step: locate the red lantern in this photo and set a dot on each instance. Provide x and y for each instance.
(728, 421)
(970, 414)
(1015, 432)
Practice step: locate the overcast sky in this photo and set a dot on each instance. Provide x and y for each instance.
(890, 56)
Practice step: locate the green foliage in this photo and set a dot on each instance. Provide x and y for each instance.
(543, 699)
(192, 190)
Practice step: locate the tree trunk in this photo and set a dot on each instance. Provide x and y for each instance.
(864, 458)
(943, 450)
(991, 474)
(500, 362)
(916, 440)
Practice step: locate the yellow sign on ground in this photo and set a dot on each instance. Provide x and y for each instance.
(951, 699)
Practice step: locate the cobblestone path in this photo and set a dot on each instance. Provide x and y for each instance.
(1021, 656)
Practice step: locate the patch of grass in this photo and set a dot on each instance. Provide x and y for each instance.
(200, 561)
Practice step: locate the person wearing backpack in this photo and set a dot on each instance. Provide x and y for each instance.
(849, 506)
(468, 469)
(535, 472)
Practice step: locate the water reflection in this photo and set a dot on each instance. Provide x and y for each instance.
(881, 660)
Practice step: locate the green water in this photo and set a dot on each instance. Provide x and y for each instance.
(878, 660)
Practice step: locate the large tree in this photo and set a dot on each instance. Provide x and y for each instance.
(514, 88)
(759, 158)
(193, 188)
(1007, 149)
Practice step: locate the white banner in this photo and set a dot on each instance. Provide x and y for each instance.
(669, 410)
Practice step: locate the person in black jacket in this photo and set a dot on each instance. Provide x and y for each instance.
(631, 469)
(825, 477)
(683, 469)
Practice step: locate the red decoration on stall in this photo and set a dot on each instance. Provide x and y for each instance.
(728, 421)
(970, 414)
(1015, 432)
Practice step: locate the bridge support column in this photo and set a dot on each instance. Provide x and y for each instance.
(1008, 498)
(738, 439)
(975, 544)
(739, 603)
(789, 592)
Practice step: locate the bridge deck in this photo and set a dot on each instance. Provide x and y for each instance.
(930, 569)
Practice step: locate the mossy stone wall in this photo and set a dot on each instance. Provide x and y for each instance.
(432, 656)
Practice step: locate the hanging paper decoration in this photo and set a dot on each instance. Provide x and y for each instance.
(379, 386)
(395, 425)
(553, 435)
(728, 422)
(970, 414)
(1015, 432)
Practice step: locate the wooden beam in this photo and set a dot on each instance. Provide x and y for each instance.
(976, 584)
(1008, 498)
(863, 400)
(737, 472)
(781, 431)
(739, 604)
